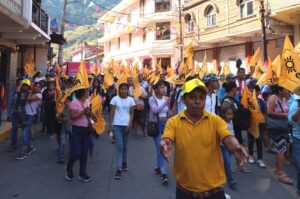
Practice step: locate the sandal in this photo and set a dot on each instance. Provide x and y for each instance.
(284, 178)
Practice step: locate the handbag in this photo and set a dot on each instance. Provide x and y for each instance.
(152, 127)
(277, 124)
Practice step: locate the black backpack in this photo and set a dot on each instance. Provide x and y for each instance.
(241, 118)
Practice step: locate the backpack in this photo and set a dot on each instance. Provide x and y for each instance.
(241, 118)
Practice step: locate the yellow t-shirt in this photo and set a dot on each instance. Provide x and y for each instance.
(198, 163)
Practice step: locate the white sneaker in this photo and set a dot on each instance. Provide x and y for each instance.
(227, 196)
(251, 159)
(261, 164)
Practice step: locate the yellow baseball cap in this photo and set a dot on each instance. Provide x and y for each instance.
(26, 81)
(190, 85)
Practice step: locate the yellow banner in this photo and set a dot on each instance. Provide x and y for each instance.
(97, 116)
(290, 71)
(81, 81)
(250, 102)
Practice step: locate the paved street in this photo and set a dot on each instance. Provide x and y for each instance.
(39, 176)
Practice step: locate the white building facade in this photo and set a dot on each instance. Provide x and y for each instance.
(143, 31)
(24, 30)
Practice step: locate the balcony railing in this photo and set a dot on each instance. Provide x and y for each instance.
(39, 17)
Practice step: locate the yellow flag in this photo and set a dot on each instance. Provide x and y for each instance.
(225, 70)
(170, 71)
(108, 79)
(183, 69)
(197, 69)
(277, 66)
(249, 101)
(135, 70)
(137, 91)
(253, 60)
(81, 81)
(57, 70)
(189, 52)
(97, 115)
(159, 68)
(58, 95)
(29, 66)
(204, 64)
(269, 72)
(290, 71)
(215, 69)
(29, 70)
(258, 70)
(112, 67)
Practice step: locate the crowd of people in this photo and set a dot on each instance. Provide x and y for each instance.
(202, 118)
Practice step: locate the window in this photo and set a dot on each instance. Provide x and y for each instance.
(119, 43)
(163, 31)
(142, 8)
(189, 23)
(144, 35)
(211, 16)
(165, 62)
(130, 39)
(162, 5)
(246, 8)
(129, 16)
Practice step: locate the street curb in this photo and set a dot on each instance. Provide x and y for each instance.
(5, 133)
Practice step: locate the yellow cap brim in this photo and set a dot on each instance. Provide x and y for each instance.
(192, 85)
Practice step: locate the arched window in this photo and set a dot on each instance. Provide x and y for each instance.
(189, 21)
(246, 8)
(211, 16)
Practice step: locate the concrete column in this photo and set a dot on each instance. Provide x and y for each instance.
(12, 71)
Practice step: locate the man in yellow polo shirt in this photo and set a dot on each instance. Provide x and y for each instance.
(197, 134)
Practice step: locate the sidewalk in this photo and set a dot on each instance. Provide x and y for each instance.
(4, 130)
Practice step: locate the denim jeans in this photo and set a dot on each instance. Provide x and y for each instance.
(160, 162)
(79, 140)
(183, 195)
(121, 138)
(26, 132)
(296, 158)
(62, 140)
(227, 163)
(14, 129)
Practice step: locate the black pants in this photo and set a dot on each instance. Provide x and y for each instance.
(238, 135)
(182, 195)
(258, 142)
(79, 145)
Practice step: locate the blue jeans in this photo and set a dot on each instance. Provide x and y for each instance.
(79, 144)
(26, 132)
(296, 158)
(14, 129)
(121, 138)
(160, 161)
(227, 164)
(62, 140)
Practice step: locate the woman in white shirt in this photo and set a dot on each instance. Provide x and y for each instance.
(159, 109)
(120, 121)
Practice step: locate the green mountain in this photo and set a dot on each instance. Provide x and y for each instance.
(81, 19)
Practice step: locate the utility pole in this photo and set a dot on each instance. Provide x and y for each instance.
(263, 28)
(63, 21)
(180, 31)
